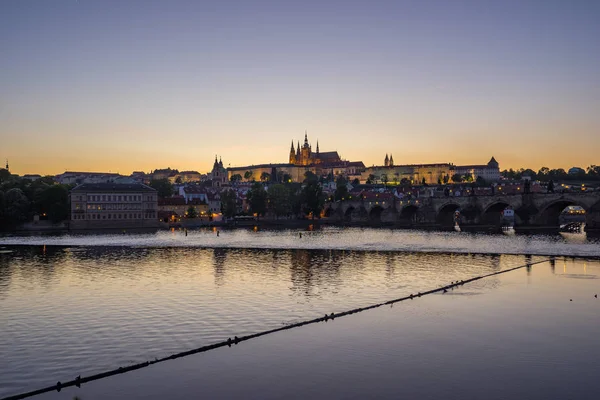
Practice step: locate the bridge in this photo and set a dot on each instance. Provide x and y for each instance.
(533, 209)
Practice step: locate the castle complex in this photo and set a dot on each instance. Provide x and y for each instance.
(302, 159)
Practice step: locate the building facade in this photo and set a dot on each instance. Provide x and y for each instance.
(113, 206)
(411, 173)
(490, 172)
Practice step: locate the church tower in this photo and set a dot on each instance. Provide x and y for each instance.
(292, 154)
(386, 162)
(391, 161)
(306, 152)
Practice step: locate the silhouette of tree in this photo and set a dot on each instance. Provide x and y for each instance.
(341, 190)
(265, 176)
(229, 203)
(162, 186)
(191, 212)
(279, 200)
(257, 197)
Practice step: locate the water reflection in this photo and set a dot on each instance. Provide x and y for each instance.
(70, 310)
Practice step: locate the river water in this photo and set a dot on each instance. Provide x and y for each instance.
(77, 305)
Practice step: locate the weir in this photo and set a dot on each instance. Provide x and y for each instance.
(78, 381)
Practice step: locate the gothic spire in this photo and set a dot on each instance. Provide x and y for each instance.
(305, 138)
(292, 150)
(391, 160)
(317, 146)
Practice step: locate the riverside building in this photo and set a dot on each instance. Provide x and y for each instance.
(113, 206)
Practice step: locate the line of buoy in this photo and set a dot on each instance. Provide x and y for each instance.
(121, 370)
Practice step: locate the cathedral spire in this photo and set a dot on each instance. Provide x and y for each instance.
(317, 146)
(305, 138)
(386, 162)
(292, 150)
(7, 164)
(391, 160)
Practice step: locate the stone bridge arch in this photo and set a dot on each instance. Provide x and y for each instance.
(549, 213)
(492, 214)
(409, 213)
(375, 213)
(445, 214)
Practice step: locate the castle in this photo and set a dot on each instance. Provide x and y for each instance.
(305, 156)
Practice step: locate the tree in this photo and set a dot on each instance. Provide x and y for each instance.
(423, 182)
(593, 171)
(542, 174)
(178, 179)
(530, 173)
(257, 197)
(16, 206)
(480, 181)
(54, 202)
(287, 178)
(446, 179)
(312, 197)
(356, 182)
(439, 180)
(371, 179)
(248, 175)
(404, 182)
(229, 203)
(191, 212)
(235, 178)
(265, 176)
(310, 177)
(468, 177)
(279, 199)
(384, 179)
(162, 186)
(341, 189)
(551, 186)
(457, 178)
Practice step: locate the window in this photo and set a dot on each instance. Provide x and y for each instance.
(108, 216)
(103, 197)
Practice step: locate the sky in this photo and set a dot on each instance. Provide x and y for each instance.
(122, 86)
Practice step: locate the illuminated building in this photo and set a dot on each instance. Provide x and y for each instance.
(113, 206)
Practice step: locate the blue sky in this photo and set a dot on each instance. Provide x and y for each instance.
(138, 85)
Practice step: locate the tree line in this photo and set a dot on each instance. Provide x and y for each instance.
(21, 199)
(281, 199)
(545, 174)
